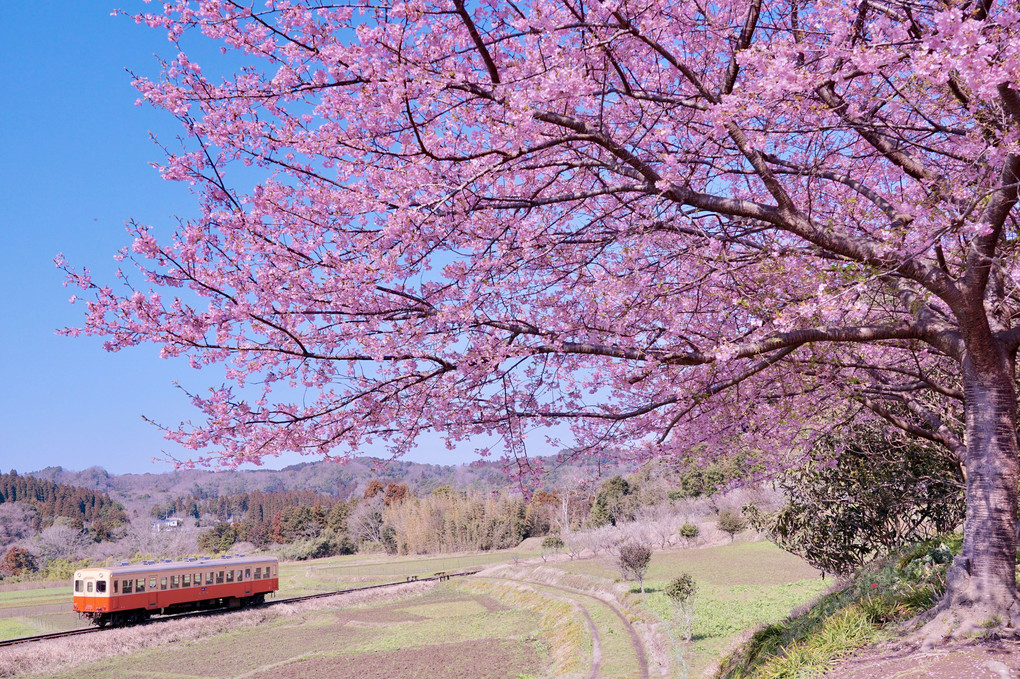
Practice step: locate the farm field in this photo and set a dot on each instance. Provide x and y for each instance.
(43, 609)
(427, 631)
(48, 609)
(356, 570)
(561, 618)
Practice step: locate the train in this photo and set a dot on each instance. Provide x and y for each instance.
(131, 593)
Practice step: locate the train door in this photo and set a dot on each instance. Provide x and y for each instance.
(89, 591)
(153, 601)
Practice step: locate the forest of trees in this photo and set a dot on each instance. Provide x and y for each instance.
(391, 517)
(93, 512)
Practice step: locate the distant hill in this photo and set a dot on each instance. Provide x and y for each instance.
(51, 500)
(343, 481)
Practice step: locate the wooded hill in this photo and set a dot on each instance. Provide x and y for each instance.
(95, 512)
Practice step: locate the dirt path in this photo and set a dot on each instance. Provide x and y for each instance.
(583, 600)
(979, 660)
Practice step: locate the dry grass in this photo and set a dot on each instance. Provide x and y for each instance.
(649, 629)
(61, 654)
(560, 624)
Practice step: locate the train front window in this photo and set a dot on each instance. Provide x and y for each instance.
(88, 587)
(101, 586)
(77, 585)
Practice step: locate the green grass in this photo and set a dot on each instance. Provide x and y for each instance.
(893, 590)
(740, 586)
(12, 628)
(36, 597)
(358, 570)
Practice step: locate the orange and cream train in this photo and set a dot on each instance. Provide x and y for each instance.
(128, 593)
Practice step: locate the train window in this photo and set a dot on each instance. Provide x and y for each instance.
(240, 575)
(152, 583)
(219, 577)
(126, 589)
(77, 585)
(88, 586)
(230, 576)
(175, 581)
(140, 585)
(258, 573)
(162, 583)
(101, 585)
(186, 580)
(115, 583)
(209, 578)
(247, 574)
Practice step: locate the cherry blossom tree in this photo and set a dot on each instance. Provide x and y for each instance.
(670, 225)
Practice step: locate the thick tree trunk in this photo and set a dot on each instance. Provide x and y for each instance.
(981, 583)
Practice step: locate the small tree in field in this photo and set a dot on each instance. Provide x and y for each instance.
(633, 559)
(681, 591)
(731, 522)
(674, 226)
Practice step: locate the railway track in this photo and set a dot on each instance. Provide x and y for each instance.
(438, 577)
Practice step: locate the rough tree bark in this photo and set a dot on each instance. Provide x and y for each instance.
(981, 590)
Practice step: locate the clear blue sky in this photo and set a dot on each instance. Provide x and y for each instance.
(75, 166)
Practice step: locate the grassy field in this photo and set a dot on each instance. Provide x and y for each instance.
(470, 630)
(356, 570)
(48, 609)
(36, 611)
(740, 586)
(445, 632)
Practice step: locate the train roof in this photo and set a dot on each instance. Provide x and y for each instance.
(157, 566)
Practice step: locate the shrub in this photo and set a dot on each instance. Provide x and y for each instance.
(327, 543)
(882, 492)
(689, 532)
(551, 543)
